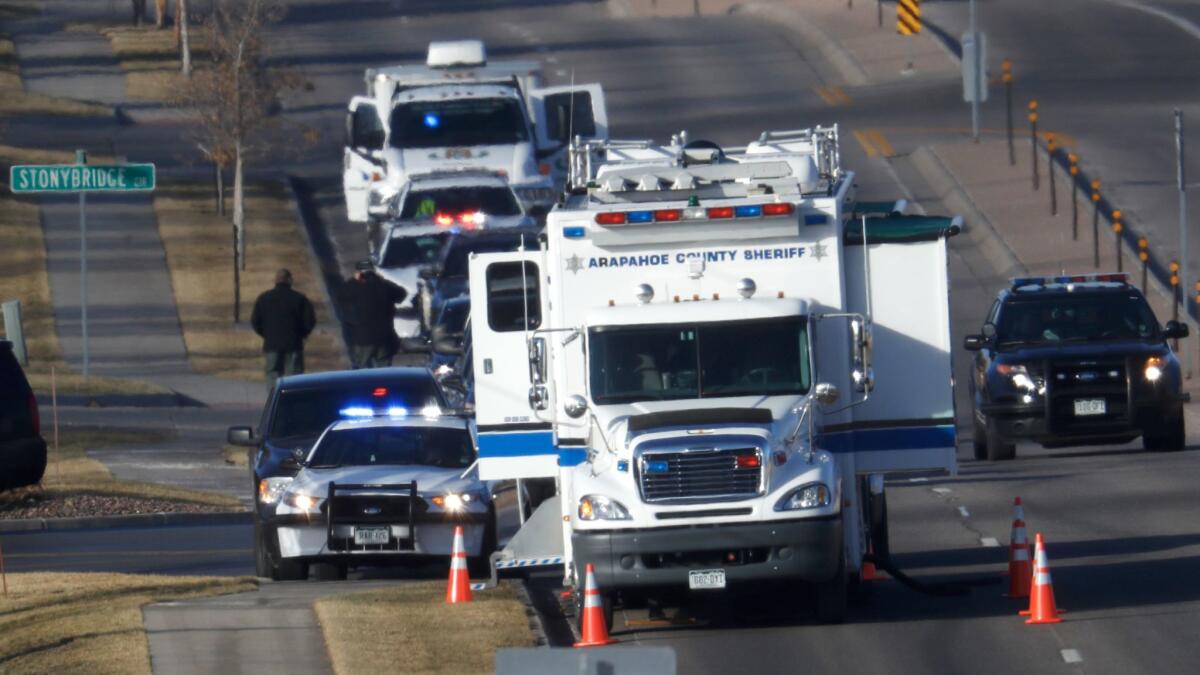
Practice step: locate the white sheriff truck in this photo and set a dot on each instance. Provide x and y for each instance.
(458, 111)
(714, 367)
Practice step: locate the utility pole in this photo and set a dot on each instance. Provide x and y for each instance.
(977, 53)
(1183, 228)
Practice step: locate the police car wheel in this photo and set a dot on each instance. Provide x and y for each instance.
(1173, 436)
(979, 442)
(262, 557)
(998, 448)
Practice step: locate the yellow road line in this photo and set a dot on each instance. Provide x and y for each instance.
(825, 95)
(865, 142)
(885, 148)
(834, 95)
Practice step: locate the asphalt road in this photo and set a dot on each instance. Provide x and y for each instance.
(1120, 523)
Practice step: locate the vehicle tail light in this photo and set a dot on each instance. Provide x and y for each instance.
(444, 219)
(379, 391)
(780, 209)
(610, 218)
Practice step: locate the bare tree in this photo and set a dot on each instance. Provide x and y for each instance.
(182, 39)
(237, 99)
(160, 13)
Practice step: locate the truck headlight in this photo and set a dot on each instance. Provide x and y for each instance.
(270, 489)
(811, 496)
(306, 503)
(599, 507)
(1154, 369)
(1022, 379)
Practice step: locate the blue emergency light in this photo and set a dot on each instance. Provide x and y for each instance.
(432, 120)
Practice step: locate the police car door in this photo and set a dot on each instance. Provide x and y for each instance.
(507, 306)
(560, 114)
(364, 137)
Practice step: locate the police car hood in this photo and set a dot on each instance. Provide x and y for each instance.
(1076, 351)
(314, 481)
(516, 161)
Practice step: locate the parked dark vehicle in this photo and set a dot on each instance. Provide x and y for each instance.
(1075, 360)
(297, 411)
(22, 449)
(448, 278)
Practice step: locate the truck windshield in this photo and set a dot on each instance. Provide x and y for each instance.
(1070, 317)
(421, 249)
(491, 200)
(703, 360)
(444, 448)
(458, 122)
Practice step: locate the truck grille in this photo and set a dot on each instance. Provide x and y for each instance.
(1069, 381)
(710, 474)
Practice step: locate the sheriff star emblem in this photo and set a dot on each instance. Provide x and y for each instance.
(818, 251)
(574, 264)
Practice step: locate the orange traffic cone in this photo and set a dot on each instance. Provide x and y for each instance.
(458, 589)
(868, 572)
(1020, 568)
(1041, 600)
(595, 630)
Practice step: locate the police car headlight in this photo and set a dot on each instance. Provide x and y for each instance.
(811, 496)
(306, 503)
(456, 502)
(599, 507)
(1154, 369)
(271, 489)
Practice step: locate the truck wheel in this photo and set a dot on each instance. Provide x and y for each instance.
(880, 541)
(831, 598)
(979, 441)
(998, 449)
(1173, 436)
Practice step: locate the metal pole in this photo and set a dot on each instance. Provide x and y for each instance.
(81, 158)
(879, 12)
(1012, 153)
(1117, 228)
(1144, 258)
(1183, 240)
(1074, 171)
(1096, 224)
(978, 72)
(1050, 149)
(1033, 118)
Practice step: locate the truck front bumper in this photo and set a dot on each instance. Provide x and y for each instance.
(807, 549)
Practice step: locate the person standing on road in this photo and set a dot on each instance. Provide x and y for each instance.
(368, 306)
(284, 317)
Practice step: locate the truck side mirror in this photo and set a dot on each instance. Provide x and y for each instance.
(862, 374)
(537, 360)
(243, 436)
(1175, 330)
(974, 343)
(539, 397)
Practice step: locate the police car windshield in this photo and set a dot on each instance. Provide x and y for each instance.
(491, 200)
(440, 447)
(306, 412)
(1075, 317)
(656, 363)
(411, 251)
(457, 123)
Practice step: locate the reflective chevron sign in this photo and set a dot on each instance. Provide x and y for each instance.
(908, 17)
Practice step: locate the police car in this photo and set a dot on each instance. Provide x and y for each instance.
(386, 486)
(1074, 360)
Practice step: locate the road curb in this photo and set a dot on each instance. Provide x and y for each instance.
(979, 230)
(838, 57)
(137, 520)
(536, 622)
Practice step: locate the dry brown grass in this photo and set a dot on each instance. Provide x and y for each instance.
(236, 456)
(199, 249)
(408, 629)
(23, 277)
(14, 100)
(89, 623)
(149, 58)
(70, 471)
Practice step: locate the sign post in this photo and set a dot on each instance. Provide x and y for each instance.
(82, 178)
(1181, 179)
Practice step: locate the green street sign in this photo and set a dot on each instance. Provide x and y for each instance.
(81, 178)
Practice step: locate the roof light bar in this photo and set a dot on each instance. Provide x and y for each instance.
(748, 211)
(771, 210)
(1072, 279)
(778, 209)
(668, 215)
(719, 212)
(611, 218)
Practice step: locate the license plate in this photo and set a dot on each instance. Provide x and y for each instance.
(700, 579)
(1089, 406)
(372, 535)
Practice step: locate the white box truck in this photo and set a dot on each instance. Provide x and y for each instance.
(719, 356)
(458, 111)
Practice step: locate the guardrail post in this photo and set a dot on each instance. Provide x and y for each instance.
(1144, 257)
(1033, 119)
(1051, 149)
(14, 330)
(1074, 171)
(1117, 227)
(1006, 66)
(1096, 224)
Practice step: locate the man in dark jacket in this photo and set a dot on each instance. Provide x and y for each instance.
(368, 306)
(284, 318)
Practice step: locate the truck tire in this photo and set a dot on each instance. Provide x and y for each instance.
(979, 441)
(998, 448)
(831, 598)
(1172, 437)
(880, 540)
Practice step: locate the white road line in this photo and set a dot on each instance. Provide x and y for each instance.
(560, 72)
(1072, 656)
(989, 542)
(962, 511)
(918, 479)
(942, 490)
(1178, 21)
(551, 59)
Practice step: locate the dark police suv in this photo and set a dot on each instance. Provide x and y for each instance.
(1074, 360)
(297, 412)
